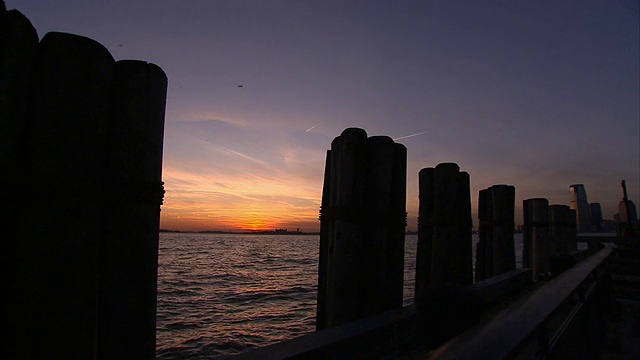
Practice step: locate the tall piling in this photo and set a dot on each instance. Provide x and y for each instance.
(129, 249)
(495, 249)
(536, 243)
(17, 55)
(559, 225)
(425, 233)
(448, 259)
(571, 244)
(81, 144)
(362, 228)
(323, 254)
(70, 107)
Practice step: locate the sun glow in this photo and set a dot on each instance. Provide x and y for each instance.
(234, 203)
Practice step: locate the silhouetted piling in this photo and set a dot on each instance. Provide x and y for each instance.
(425, 233)
(536, 247)
(559, 225)
(450, 256)
(18, 46)
(562, 227)
(17, 54)
(385, 205)
(495, 249)
(129, 251)
(363, 227)
(571, 243)
(321, 319)
(81, 142)
(70, 110)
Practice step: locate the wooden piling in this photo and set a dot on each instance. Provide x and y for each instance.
(495, 250)
(129, 249)
(536, 247)
(559, 225)
(445, 247)
(571, 243)
(363, 224)
(484, 250)
(323, 254)
(425, 233)
(451, 261)
(345, 238)
(17, 54)
(70, 107)
(385, 211)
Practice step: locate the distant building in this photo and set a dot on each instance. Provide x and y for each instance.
(610, 226)
(580, 204)
(596, 216)
(622, 212)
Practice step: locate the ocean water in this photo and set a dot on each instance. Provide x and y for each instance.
(221, 294)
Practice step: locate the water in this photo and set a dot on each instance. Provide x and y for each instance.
(220, 294)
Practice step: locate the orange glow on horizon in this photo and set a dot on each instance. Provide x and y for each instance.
(194, 202)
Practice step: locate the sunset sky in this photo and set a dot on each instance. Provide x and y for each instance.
(535, 94)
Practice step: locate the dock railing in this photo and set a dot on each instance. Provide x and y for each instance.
(566, 317)
(385, 335)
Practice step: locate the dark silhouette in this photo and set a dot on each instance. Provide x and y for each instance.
(363, 217)
(82, 146)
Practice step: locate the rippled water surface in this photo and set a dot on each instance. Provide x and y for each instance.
(220, 294)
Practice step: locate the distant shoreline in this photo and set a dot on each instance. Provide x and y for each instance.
(265, 232)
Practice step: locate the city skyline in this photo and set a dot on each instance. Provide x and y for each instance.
(580, 204)
(538, 95)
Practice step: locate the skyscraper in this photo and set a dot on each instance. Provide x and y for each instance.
(596, 216)
(622, 211)
(580, 204)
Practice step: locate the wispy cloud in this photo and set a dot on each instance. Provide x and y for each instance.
(412, 135)
(244, 156)
(206, 116)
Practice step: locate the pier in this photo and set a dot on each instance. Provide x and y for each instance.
(82, 138)
(563, 303)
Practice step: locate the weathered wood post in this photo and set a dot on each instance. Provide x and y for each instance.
(559, 223)
(571, 244)
(425, 233)
(561, 232)
(363, 224)
(536, 247)
(17, 54)
(69, 115)
(129, 249)
(18, 46)
(445, 249)
(495, 250)
(325, 219)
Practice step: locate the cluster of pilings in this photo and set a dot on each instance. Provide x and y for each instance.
(549, 237)
(362, 232)
(363, 217)
(81, 153)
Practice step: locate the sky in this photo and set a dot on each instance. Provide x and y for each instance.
(535, 94)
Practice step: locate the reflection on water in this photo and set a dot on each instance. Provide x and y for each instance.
(219, 294)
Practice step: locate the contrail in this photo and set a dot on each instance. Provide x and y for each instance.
(311, 128)
(412, 135)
